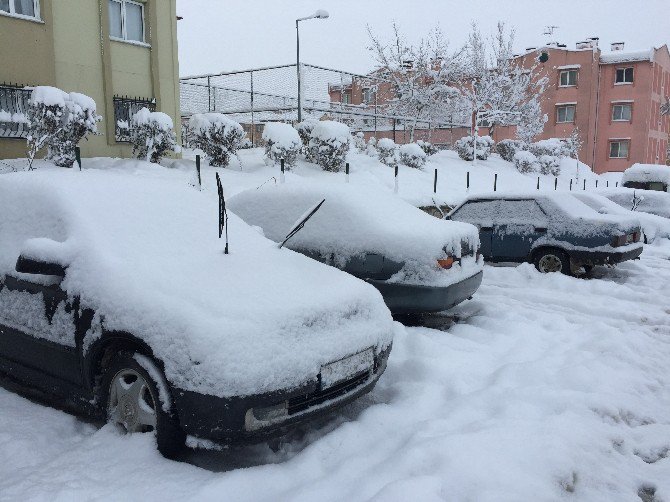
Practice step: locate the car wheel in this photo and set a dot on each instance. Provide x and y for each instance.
(134, 403)
(552, 260)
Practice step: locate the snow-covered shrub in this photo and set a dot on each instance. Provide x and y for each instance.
(549, 164)
(329, 144)
(359, 142)
(216, 135)
(388, 152)
(152, 135)
(412, 155)
(371, 149)
(555, 147)
(428, 148)
(281, 142)
(508, 147)
(464, 147)
(304, 129)
(59, 121)
(525, 162)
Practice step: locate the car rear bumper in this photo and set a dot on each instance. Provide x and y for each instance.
(580, 258)
(412, 299)
(227, 420)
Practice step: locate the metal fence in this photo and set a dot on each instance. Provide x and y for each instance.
(254, 97)
(14, 101)
(124, 109)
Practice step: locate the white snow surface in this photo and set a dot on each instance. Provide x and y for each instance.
(626, 56)
(647, 172)
(49, 96)
(282, 135)
(413, 150)
(648, 201)
(548, 388)
(330, 131)
(202, 122)
(146, 116)
(142, 250)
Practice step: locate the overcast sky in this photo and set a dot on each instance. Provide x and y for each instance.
(225, 35)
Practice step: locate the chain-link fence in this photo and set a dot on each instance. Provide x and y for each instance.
(254, 97)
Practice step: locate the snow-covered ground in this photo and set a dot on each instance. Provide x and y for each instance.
(544, 387)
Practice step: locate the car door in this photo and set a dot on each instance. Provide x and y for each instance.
(519, 225)
(37, 329)
(482, 214)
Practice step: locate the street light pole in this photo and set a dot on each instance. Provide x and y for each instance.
(319, 14)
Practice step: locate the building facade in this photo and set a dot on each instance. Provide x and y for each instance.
(121, 53)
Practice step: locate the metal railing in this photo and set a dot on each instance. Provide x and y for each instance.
(124, 109)
(14, 103)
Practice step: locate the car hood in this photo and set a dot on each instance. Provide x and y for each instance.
(141, 248)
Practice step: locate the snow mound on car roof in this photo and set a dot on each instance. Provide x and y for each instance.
(142, 249)
(353, 220)
(643, 173)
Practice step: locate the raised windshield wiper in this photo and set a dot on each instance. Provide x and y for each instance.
(301, 222)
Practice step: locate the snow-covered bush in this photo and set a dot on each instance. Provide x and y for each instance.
(359, 142)
(464, 147)
(388, 152)
(216, 135)
(525, 162)
(152, 135)
(371, 149)
(508, 147)
(549, 164)
(304, 129)
(329, 144)
(59, 121)
(428, 148)
(412, 155)
(281, 142)
(555, 147)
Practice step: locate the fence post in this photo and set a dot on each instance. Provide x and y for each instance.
(596, 183)
(538, 183)
(395, 186)
(435, 182)
(607, 183)
(282, 179)
(77, 155)
(346, 172)
(571, 184)
(556, 183)
(253, 124)
(495, 182)
(617, 184)
(209, 94)
(197, 168)
(584, 183)
(467, 182)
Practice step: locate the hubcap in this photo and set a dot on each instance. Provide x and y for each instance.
(550, 263)
(130, 402)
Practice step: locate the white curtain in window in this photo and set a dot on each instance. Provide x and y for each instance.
(134, 24)
(25, 7)
(115, 19)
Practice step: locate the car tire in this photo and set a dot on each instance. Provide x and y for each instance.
(552, 260)
(133, 401)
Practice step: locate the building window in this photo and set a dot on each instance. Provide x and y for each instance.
(14, 102)
(565, 113)
(346, 98)
(126, 20)
(124, 109)
(568, 78)
(619, 149)
(23, 8)
(621, 112)
(624, 75)
(367, 96)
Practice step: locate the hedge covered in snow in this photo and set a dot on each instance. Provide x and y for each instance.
(412, 155)
(216, 135)
(525, 162)
(152, 135)
(329, 144)
(508, 147)
(428, 148)
(282, 141)
(59, 121)
(388, 152)
(464, 147)
(304, 129)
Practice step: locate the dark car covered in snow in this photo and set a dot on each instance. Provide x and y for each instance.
(116, 303)
(555, 231)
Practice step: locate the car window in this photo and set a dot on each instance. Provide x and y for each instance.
(477, 212)
(521, 211)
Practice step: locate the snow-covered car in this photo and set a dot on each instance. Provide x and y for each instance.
(418, 263)
(641, 201)
(116, 297)
(647, 177)
(555, 231)
(653, 226)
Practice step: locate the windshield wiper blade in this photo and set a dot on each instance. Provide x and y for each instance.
(296, 228)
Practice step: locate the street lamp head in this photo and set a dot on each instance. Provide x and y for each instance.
(321, 14)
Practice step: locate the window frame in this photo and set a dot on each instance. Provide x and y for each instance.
(124, 32)
(624, 68)
(12, 12)
(630, 112)
(574, 113)
(568, 72)
(611, 142)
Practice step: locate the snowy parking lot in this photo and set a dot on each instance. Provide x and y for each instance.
(544, 387)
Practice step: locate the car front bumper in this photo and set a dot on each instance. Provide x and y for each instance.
(413, 299)
(226, 420)
(590, 258)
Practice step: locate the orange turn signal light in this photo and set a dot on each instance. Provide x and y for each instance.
(446, 263)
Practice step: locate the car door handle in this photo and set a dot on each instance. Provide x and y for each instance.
(486, 228)
(540, 229)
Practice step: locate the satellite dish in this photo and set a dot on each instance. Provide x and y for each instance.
(544, 57)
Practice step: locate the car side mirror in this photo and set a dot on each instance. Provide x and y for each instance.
(447, 217)
(26, 265)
